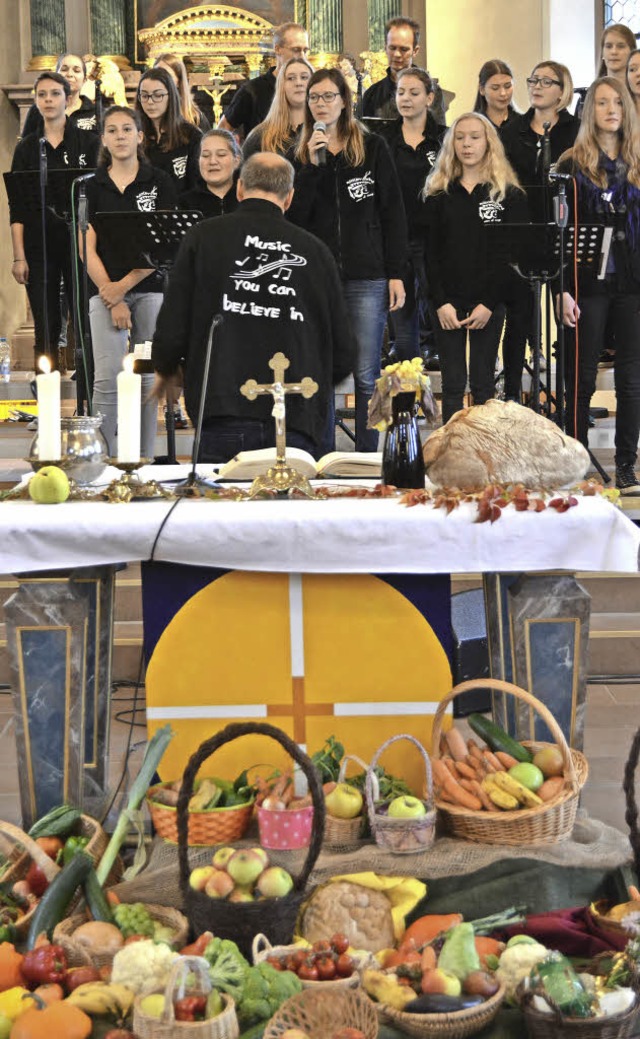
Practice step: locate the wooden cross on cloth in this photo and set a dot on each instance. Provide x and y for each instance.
(278, 389)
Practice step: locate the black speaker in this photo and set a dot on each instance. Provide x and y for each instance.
(470, 650)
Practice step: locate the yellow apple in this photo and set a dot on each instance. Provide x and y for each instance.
(344, 802)
(49, 486)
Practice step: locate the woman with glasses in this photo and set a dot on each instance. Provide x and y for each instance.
(80, 110)
(605, 161)
(471, 187)
(170, 142)
(279, 131)
(495, 93)
(347, 194)
(220, 158)
(177, 69)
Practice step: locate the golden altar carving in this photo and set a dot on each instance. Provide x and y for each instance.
(210, 33)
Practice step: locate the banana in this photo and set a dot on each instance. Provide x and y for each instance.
(511, 786)
(500, 798)
(98, 997)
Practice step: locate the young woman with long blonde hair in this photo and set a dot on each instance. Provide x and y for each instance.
(605, 161)
(470, 187)
(279, 131)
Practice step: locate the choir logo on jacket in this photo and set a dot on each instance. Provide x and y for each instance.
(146, 200)
(86, 124)
(489, 211)
(360, 188)
(262, 279)
(179, 164)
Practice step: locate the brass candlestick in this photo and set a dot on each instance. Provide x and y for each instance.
(129, 486)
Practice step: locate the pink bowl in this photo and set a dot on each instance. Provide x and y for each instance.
(285, 830)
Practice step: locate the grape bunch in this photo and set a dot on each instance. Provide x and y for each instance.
(134, 919)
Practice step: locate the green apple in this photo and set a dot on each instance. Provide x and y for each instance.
(199, 877)
(221, 857)
(244, 867)
(274, 882)
(527, 774)
(153, 1006)
(406, 807)
(241, 894)
(344, 802)
(49, 485)
(261, 853)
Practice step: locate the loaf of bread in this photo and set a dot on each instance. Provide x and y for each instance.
(503, 442)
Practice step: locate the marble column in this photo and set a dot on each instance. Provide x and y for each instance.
(324, 19)
(108, 27)
(379, 13)
(48, 34)
(538, 633)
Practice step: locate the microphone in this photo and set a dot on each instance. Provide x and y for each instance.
(546, 150)
(321, 153)
(187, 487)
(43, 161)
(559, 176)
(84, 176)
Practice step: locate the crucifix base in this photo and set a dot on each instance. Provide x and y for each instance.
(282, 479)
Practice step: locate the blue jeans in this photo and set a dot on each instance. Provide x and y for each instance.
(110, 345)
(368, 304)
(222, 438)
(405, 324)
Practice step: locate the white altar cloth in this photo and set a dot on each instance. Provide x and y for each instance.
(337, 536)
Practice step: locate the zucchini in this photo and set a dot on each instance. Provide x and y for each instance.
(497, 739)
(53, 905)
(59, 822)
(96, 899)
(439, 1003)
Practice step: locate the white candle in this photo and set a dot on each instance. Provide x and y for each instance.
(129, 410)
(49, 435)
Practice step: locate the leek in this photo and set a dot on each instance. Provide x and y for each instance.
(152, 757)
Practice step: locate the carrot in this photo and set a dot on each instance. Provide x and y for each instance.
(486, 946)
(505, 759)
(456, 744)
(460, 795)
(451, 765)
(112, 898)
(439, 770)
(464, 770)
(467, 784)
(474, 750)
(484, 797)
(428, 927)
(492, 761)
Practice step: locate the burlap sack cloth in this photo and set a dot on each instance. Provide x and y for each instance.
(542, 877)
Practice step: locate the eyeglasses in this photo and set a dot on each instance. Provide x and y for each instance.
(327, 97)
(157, 95)
(543, 81)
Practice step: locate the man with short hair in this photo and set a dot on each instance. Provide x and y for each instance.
(402, 42)
(277, 289)
(251, 101)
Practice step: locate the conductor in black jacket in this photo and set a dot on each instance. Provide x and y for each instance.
(277, 288)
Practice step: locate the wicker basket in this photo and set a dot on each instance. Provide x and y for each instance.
(319, 1014)
(444, 1026)
(401, 836)
(262, 949)
(344, 834)
(553, 1025)
(21, 850)
(224, 1026)
(545, 824)
(216, 826)
(79, 956)
(240, 921)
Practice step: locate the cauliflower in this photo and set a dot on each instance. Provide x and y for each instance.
(516, 963)
(143, 966)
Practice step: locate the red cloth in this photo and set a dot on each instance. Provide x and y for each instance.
(570, 931)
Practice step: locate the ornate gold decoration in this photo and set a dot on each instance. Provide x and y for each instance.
(207, 32)
(374, 66)
(130, 486)
(42, 63)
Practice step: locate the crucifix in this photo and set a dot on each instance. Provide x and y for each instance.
(280, 477)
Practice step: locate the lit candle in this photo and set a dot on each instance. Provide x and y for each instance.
(49, 436)
(129, 409)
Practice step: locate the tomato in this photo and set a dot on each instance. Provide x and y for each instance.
(290, 964)
(344, 965)
(339, 943)
(300, 956)
(326, 968)
(308, 972)
(275, 962)
(322, 946)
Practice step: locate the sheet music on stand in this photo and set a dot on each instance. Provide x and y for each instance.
(534, 249)
(135, 240)
(23, 188)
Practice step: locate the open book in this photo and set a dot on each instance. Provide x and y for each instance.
(248, 464)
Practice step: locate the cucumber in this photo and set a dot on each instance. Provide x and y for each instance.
(96, 899)
(53, 905)
(59, 822)
(497, 739)
(437, 1003)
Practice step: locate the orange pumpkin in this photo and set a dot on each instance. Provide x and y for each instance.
(58, 1019)
(11, 975)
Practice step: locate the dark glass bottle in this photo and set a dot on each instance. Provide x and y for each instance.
(402, 461)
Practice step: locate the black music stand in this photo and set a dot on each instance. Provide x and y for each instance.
(138, 240)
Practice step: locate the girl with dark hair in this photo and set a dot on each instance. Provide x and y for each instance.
(633, 79)
(170, 142)
(123, 304)
(67, 147)
(177, 69)
(347, 194)
(220, 158)
(80, 110)
(495, 93)
(605, 161)
(279, 131)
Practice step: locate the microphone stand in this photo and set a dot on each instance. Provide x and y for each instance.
(82, 372)
(43, 228)
(189, 487)
(98, 102)
(359, 78)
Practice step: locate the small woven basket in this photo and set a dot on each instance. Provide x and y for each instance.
(554, 1025)
(223, 1026)
(457, 1025)
(319, 1014)
(344, 834)
(215, 826)
(20, 850)
(545, 824)
(79, 956)
(262, 949)
(401, 836)
(240, 921)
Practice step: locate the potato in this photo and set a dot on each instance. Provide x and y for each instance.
(480, 983)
